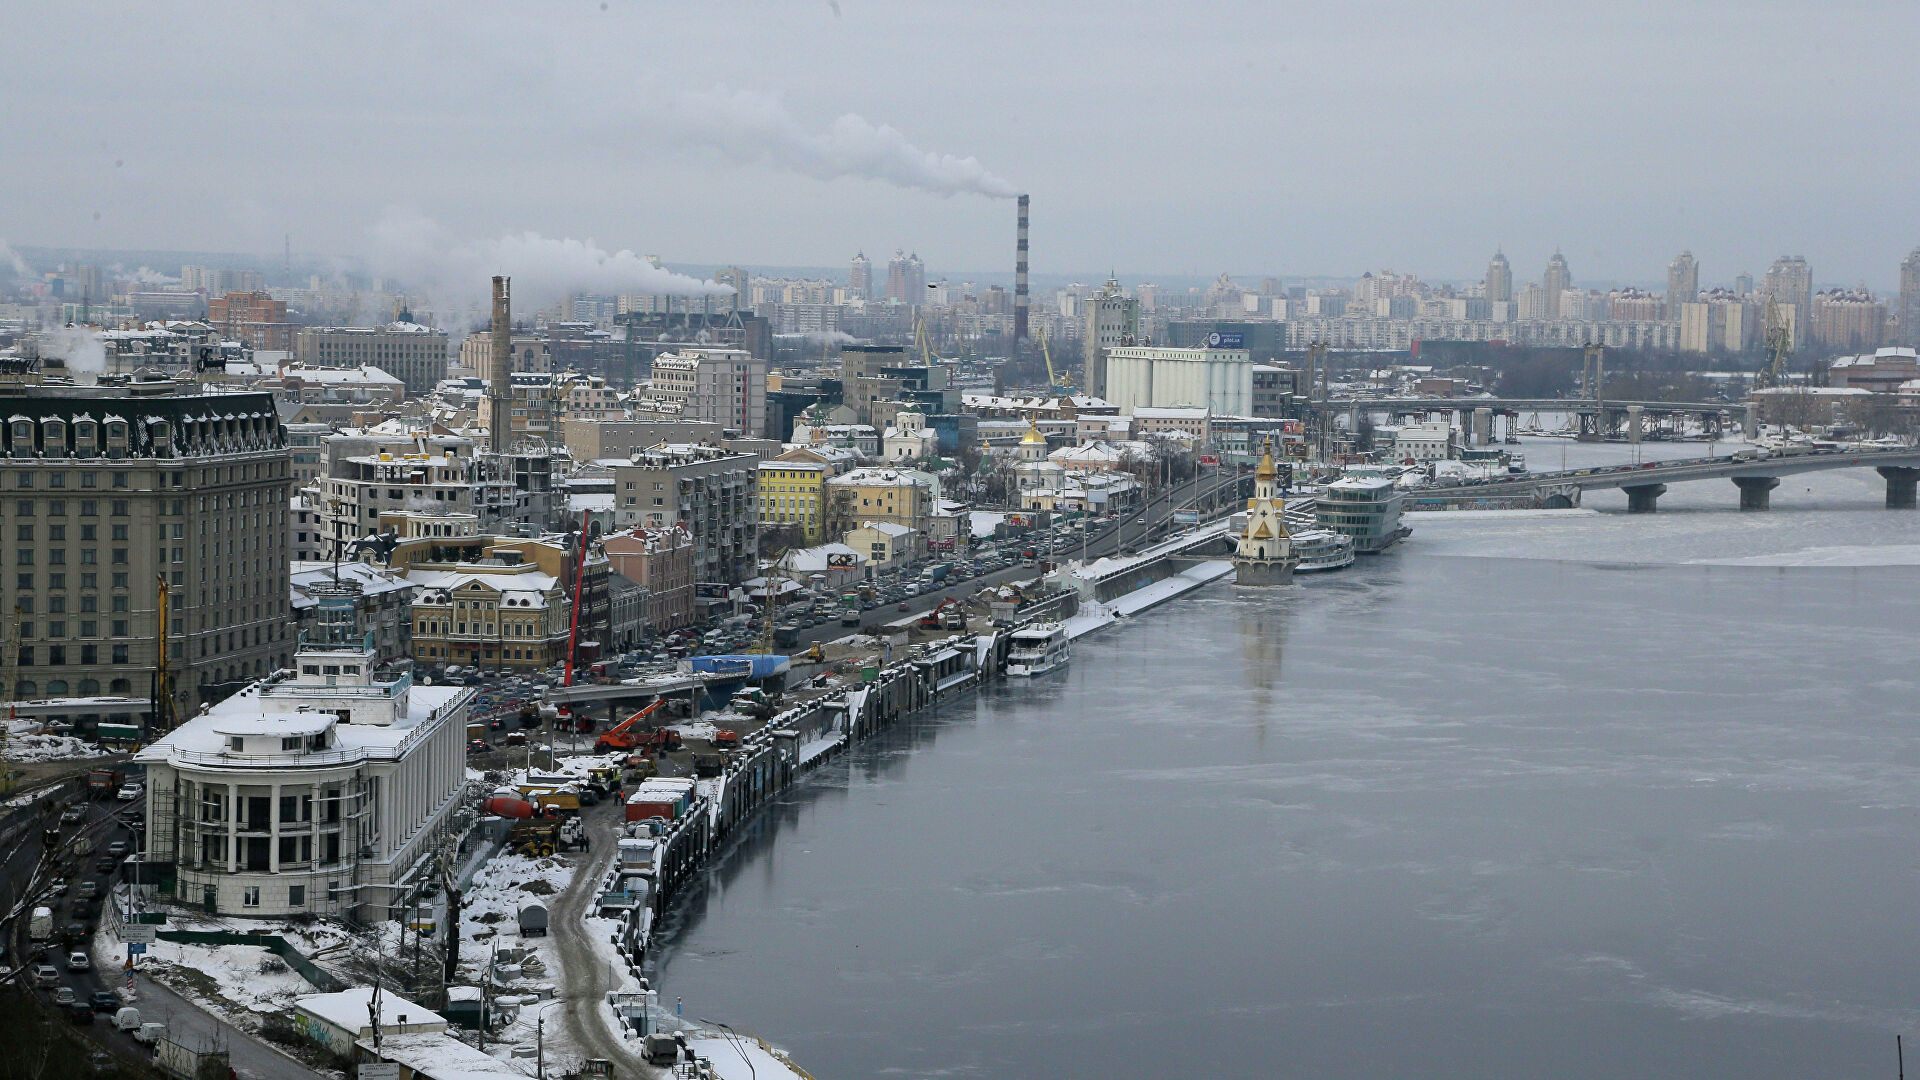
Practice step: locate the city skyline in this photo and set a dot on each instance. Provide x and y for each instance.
(793, 161)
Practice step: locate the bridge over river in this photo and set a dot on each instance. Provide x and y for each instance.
(1595, 419)
(1755, 474)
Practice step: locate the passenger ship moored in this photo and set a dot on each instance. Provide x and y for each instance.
(1038, 649)
(1321, 549)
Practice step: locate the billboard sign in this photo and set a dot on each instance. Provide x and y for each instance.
(840, 559)
(1186, 517)
(1226, 339)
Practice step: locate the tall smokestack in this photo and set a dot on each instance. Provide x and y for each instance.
(500, 370)
(1020, 281)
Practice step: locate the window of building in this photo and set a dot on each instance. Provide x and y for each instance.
(119, 654)
(296, 896)
(250, 896)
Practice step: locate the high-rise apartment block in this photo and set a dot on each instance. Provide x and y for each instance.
(906, 278)
(1790, 281)
(860, 277)
(1683, 283)
(1556, 282)
(719, 386)
(1848, 319)
(414, 354)
(1499, 279)
(113, 492)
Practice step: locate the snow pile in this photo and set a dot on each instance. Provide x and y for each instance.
(507, 883)
(25, 743)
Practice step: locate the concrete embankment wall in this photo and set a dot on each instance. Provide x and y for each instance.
(792, 744)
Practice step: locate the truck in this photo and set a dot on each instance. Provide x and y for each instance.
(103, 783)
(850, 609)
(182, 1062)
(40, 924)
(664, 797)
(628, 734)
(938, 572)
(533, 921)
(539, 837)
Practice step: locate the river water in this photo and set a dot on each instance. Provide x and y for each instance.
(1573, 795)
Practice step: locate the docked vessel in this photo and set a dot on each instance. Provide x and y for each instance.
(1038, 649)
(1321, 549)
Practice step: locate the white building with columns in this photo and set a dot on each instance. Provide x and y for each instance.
(323, 790)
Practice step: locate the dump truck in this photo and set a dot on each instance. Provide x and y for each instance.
(103, 783)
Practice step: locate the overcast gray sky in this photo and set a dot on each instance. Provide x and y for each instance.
(1156, 138)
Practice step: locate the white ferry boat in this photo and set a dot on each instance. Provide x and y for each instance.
(1038, 649)
(1321, 549)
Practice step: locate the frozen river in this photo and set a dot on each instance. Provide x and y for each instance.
(1574, 795)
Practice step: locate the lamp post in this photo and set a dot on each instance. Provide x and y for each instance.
(540, 1039)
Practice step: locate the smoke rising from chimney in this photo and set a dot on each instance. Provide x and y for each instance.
(544, 268)
(757, 128)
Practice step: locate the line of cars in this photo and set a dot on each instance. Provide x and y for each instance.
(60, 948)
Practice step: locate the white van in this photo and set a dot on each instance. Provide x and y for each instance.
(127, 1019)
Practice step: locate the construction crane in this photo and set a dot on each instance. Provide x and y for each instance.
(1779, 348)
(1054, 382)
(163, 716)
(621, 736)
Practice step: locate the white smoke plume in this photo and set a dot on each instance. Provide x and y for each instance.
(82, 348)
(751, 127)
(821, 337)
(12, 261)
(543, 268)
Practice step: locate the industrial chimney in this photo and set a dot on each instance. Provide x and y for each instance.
(1020, 281)
(500, 370)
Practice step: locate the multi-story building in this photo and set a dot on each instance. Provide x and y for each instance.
(711, 491)
(1683, 283)
(307, 443)
(304, 542)
(1909, 312)
(1790, 281)
(1636, 305)
(321, 790)
(795, 493)
(719, 386)
(112, 489)
(860, 277)
(660, 560)
(383, 599)
(1219, 380)
(415, 354)
(1499, 283)
(253, 318)
(868, 495)
(591, 439)
(366, 475)
(1719, 322)
(1848, 319)
(1557, 280)
(906, 278)
(1113, 319)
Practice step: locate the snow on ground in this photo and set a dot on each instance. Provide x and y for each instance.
(737, 1056)
(25, 743)
(244, 983)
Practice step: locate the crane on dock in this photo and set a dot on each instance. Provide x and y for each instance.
(1779, 341)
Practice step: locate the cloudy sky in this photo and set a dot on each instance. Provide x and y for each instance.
(1155, 138)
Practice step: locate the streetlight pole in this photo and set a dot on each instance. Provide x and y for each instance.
(540, 1040)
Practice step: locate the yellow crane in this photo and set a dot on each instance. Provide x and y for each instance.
(1779, 342)
(1054, 382)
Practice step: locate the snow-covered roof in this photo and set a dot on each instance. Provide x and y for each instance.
(436, 1055)
(347, 1010)
(814, 559)
(887, 528)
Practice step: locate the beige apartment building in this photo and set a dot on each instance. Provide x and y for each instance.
(109, 492)
(414, 354)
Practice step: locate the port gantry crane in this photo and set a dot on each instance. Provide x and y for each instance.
(1779, 348)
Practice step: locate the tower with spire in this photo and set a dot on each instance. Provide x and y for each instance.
(1265, 555)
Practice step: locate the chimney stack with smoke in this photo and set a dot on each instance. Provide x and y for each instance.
(500, 370)
(1020, 281)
